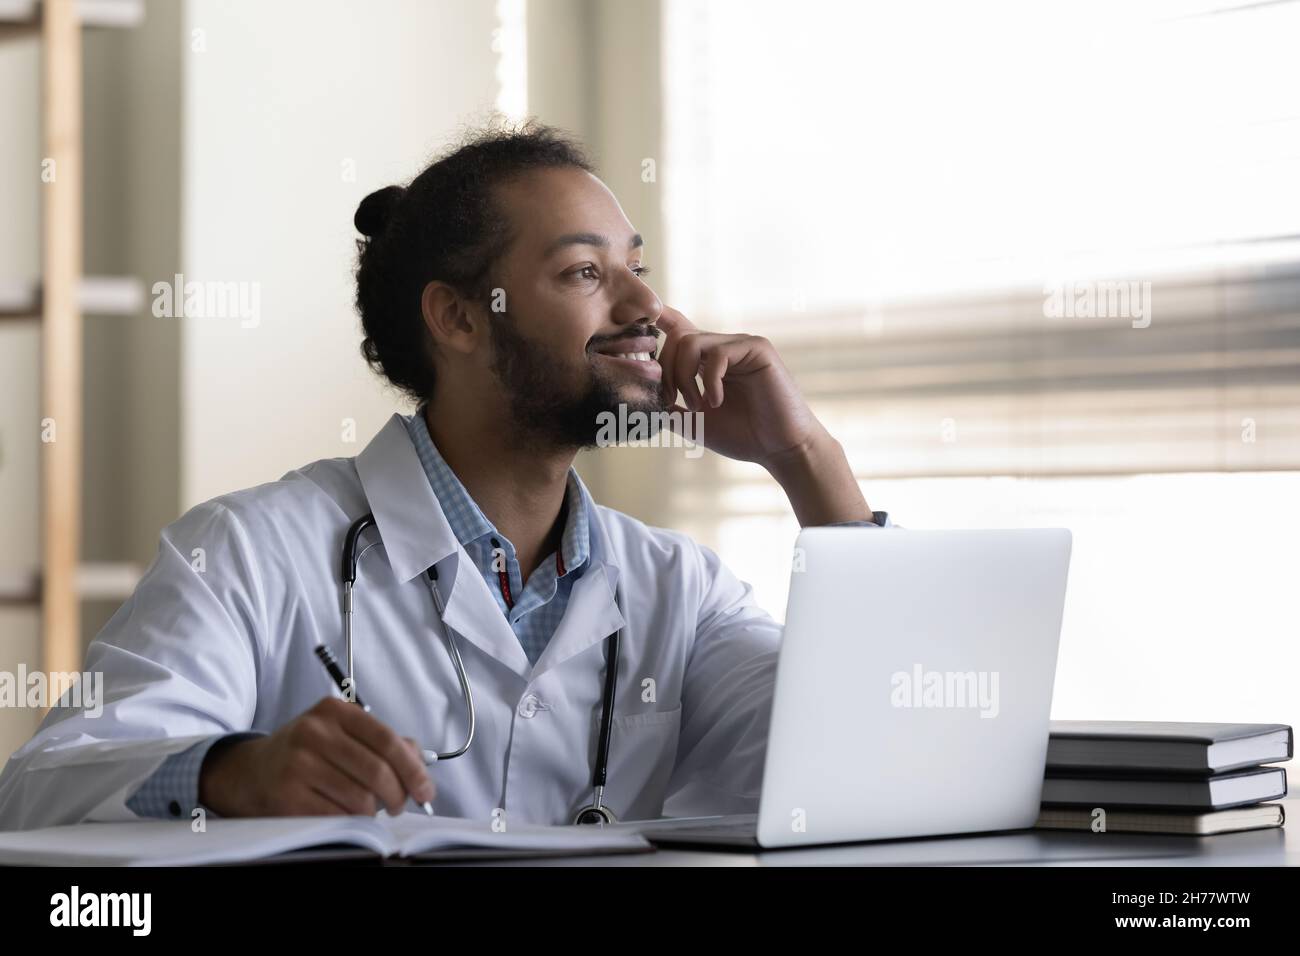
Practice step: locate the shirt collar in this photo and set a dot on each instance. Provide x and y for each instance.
(467, 520)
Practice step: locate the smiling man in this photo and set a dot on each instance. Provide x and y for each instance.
(585, 659)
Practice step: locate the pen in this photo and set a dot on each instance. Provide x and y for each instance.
(331, 663)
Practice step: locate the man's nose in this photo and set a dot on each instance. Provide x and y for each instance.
(638, 303)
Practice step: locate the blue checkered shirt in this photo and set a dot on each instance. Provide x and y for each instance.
(534, 610)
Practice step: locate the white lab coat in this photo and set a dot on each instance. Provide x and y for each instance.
(219, 636)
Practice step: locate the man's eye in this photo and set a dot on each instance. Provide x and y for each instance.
(590, 272)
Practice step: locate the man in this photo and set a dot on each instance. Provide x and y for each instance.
(504, 291)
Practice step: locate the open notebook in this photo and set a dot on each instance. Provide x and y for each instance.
(410, 835)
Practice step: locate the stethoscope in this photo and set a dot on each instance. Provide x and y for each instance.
(593, 813)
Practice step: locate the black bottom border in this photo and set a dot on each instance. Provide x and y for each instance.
(362, 901)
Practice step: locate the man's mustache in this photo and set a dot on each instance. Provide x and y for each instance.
(633, 332)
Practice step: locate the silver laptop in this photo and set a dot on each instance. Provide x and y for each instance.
(912, 693)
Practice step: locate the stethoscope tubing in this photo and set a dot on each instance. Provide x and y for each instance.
(453, 651)
(351, 559)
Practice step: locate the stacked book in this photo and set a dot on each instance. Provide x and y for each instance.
(1157, 777)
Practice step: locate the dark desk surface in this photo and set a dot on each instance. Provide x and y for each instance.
(1273, 847)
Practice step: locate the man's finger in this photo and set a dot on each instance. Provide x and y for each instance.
(367, 768)
(384, 741)
(667, 387)
(714, 370)
(314, 803)
(674, 325)
(671, 320)
(686, 365)
(344, 789)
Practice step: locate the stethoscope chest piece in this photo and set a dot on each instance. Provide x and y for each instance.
(591, 815)
(596, 813)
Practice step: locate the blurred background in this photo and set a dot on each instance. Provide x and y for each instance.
(1034, 264)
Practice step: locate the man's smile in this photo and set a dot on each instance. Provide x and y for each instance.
(640, 363)
(634, 354)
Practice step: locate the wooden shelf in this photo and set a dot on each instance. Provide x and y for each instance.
(95, 582)
(60, 299)
(24, 16)
(97, 295)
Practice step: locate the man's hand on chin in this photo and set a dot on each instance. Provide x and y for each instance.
(753, 411)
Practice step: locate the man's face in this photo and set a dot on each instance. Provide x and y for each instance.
(577, 336)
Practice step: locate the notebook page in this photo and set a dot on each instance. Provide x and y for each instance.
(413, 833)
(173, 843)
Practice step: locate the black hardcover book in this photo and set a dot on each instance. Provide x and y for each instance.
(1140, 746)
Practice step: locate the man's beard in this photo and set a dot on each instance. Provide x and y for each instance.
(545, 410)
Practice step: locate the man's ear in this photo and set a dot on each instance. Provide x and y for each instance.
(450, 320)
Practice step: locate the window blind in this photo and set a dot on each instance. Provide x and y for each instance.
(999, 239)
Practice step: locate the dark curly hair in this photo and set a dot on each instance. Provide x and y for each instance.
(443, 225)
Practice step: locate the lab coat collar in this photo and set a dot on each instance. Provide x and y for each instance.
(411, 524)
(599, 549)
(416, 535)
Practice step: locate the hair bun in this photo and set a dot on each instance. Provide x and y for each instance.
(376, 210)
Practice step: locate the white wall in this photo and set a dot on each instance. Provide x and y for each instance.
(282, 97)
(224, 163)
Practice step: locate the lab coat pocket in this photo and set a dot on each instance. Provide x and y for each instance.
(643, 750)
